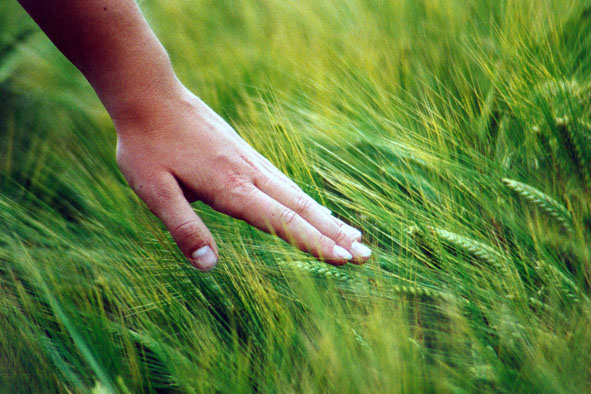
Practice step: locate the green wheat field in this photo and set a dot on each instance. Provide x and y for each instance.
(456, 134)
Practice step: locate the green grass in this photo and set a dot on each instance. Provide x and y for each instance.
(455, 133)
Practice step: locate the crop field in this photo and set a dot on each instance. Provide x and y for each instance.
(455, 134)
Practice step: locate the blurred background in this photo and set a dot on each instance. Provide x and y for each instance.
(454, 133)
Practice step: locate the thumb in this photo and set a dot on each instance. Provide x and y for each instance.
(189, 232)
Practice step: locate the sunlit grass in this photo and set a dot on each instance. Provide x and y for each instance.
(454, 133)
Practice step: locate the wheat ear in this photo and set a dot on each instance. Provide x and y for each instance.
(572, 140)
(542, 201)
(469, 246)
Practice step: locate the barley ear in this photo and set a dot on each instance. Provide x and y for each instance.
(574, 143)
(542, 201)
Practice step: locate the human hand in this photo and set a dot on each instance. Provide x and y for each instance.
(176, 150)
(172, 148)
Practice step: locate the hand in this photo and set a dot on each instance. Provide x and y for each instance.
(172, 148)
(179, 151)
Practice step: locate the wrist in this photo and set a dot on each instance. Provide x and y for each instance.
(145, 102)
(144, 108)
(131, 93)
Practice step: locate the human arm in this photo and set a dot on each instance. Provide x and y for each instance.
(172, 148)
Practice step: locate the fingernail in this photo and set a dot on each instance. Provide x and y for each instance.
(360, 250)
(204, 258)
(356, 234)
(341, 253)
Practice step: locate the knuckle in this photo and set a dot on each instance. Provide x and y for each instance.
(302, 203)
(340, 232)
(236, 184)
(240, 196)
(243, 190)
(234, 199)
(287, 216)
(264, 181)
(186, 231)
(156, 195)
(250, 162)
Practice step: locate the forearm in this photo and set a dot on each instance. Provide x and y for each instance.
(110, 42)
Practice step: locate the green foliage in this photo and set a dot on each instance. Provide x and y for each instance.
(401, 116)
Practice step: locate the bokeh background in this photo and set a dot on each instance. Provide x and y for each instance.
(454, 133)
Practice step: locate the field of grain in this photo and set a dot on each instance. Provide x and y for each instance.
(456, 134)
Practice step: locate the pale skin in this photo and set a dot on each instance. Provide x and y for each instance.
(173, 149)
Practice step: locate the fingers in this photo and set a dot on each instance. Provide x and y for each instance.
(166, 200)
(265, 213)
(281, 177)
(316, 215)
